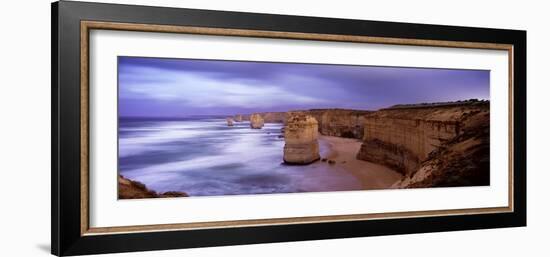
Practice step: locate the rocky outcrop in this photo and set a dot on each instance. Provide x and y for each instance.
(229, 122)
(256, 121)
(129, 189)
(301, 146)
(411, 139)
(238, 118)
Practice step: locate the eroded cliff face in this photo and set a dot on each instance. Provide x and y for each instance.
(463, 160)
(436, 145)
(274, 117)
(340, 122)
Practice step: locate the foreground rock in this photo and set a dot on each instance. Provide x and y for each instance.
(256, 121)
(129, 189)
(431, 145)
(301, 146)
(229, 122)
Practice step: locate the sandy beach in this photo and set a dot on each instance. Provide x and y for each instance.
(343, 152)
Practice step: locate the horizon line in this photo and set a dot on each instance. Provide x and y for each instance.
(414, 105)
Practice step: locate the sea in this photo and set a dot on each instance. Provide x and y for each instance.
(203, 156)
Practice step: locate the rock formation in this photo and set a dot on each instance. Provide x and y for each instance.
(245, 117)
(340, 122)
(129, 189)
(301, 146)
(331, 122)
(463, 160)
(432, 144)
(256, 121)
(229, 122)
(274, 117)
(238, 118)
(269, 117)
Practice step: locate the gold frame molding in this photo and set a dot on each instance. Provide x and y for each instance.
(86, 26)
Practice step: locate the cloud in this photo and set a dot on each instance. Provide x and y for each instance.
(204, 90)
(165, 87)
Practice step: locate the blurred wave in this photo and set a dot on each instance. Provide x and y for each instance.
(202, 156)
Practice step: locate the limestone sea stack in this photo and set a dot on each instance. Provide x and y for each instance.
(256, 121)
(229, 122)
(238, 118)
(301, 146)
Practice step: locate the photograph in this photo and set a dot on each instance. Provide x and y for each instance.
(196, 127)
(216, 126)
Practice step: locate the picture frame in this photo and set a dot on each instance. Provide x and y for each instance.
(71, 26)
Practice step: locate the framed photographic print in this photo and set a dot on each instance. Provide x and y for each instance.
(177, 128)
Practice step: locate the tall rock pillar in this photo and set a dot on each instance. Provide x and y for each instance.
(301, 146)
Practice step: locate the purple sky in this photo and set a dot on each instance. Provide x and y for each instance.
(160, 87)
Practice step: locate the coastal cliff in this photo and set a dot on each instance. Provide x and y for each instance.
(430, 144)
(340, 122)
(129, 189)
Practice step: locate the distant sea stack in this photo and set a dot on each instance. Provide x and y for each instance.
(301, 146)
(256, 121)
(229, 122)
(238, 118)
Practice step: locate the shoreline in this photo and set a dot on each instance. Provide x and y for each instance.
(370, 175)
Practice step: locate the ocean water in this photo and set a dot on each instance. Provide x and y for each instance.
(202, 156)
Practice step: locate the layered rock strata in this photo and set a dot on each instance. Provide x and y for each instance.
(460, 161)
(256, 121)
(340, 122)
(129, 189)
(423, 142)
(301, 146)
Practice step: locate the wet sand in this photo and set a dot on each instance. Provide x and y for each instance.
(370, 175)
